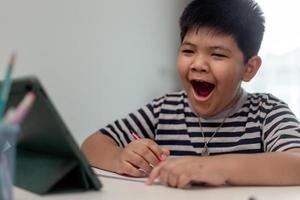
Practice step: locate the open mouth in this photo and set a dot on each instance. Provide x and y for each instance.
(202, 88)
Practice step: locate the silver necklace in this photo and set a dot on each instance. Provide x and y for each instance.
(205, 150)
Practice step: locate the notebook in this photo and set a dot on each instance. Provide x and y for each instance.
(48, 158)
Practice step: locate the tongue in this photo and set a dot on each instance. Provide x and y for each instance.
(204, 89)
(203, 92)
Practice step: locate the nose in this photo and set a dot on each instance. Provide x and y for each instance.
(200, 64)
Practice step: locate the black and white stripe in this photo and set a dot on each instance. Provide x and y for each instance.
(262, 123)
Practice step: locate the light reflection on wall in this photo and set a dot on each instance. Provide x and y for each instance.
(280, 53)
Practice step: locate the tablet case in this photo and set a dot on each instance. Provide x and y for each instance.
(48, 158)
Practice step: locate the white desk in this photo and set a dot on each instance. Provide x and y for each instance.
(114, 189)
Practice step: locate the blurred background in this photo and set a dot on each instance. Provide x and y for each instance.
(280, 52)
(101, 59)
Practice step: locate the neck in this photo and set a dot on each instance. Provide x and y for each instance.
(234, 99)
(227, 110)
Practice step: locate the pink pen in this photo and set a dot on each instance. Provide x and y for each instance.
(22, 109)
(135, 135)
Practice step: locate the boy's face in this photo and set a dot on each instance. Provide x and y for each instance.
(211, 68)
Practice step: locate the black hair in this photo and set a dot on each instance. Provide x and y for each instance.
(242, 19)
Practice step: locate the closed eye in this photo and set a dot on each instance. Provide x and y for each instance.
(187, 51)
(219, 55)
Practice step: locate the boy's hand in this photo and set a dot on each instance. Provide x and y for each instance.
(139, 157)
(182, 172)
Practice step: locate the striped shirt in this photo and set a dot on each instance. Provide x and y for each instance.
(258, 122)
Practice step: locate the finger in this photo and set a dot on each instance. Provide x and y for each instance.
(172, 179)
(183, 182)
(166, 153)
(165, 175)
(147, 155)
(153, 175)
(139, 162)
(158, 152)
(131, 170)
(170, 173)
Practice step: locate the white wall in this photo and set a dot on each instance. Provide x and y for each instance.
(97, 59)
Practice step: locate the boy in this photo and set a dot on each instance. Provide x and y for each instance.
(214, 132)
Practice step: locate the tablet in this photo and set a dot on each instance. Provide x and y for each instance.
(48, 158)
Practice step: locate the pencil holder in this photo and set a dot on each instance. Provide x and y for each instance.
(8, 137)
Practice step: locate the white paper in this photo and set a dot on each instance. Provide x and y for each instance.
(104, 173)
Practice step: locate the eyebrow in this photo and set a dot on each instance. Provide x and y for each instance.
(217, 47)
(187, 44)
(220, 47)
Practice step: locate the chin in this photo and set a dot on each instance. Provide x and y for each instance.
(200, 109)
(205, 113)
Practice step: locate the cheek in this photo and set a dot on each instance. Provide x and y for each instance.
(229, 76)
(182, 68)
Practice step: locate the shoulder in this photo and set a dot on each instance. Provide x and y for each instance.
(268, 106)
(172, 98)
(170, 102)
(265, 100)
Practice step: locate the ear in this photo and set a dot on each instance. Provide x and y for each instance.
(251, 68)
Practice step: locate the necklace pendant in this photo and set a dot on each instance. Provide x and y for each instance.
(205, 151)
